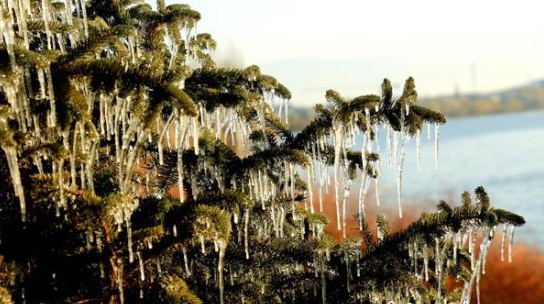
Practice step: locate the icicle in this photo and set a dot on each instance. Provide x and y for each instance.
(186, 262)
(365, 184)
(84, 15)
(68, 11)
(51, 96)
(377, 138)
(376, 190)
(43, 84)
(503, 238)
(436, 141)
(323, 174)
(13, 166)
(181, 130)
(73, 153)
(246, 223)
(472, 242)
(147, 180)
(60, 179)
(292, 188)
(175, 231)
(195, 135)
(438, 267)
(483, 253)
(286, 106)
(389, 147)
(426, 262)
(222, 248)
(310, 188)
(400, 166)
(141, 266)
(260, 188)
(345, 203)
(46, 16)
(478, 275)
(21, 22)
(119, 281)
(367, 120)
(338, 129)
(202, 244)
(510, 244)
(129, 239)
(165, 131)
(282, 220)
(274, 221)
(455, 242)
(168, 141)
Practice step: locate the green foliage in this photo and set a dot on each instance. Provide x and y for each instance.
(176, 291)
(137, 171)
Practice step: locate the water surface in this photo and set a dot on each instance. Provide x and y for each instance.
(503, 153)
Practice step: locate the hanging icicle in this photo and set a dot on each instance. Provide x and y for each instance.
(13, 166)
(220, 265)
(181, 131)
(511, 244)
(83, 7)
(338, 129)
(119, 281)
(400, 166)
(345, 203)
(503, 240)
(309, 174)
(426, 262)
(246, 240)
(141, 266)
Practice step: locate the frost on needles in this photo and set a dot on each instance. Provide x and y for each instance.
(135, 170)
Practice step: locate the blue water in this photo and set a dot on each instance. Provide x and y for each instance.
(503, 153)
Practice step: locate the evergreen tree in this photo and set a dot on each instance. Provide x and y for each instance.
(136, 171)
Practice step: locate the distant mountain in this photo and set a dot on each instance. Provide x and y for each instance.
(517, 99)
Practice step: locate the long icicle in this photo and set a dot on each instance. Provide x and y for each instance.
(511, 244)
(220, 265)
(181, 131)
(246, 241)
(338, 143)
(400, 166)
(13, 166)
(503, 240)
(309, 173)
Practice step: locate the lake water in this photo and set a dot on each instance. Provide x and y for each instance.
(502, 153)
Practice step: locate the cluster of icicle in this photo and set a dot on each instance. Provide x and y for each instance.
(350, 256)
(228, 126)
(445, 251)
(18, 89)
(342, 138)
(117, 121)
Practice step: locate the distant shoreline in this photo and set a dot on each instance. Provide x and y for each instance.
(300, 117)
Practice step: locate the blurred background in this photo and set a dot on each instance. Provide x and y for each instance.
(478, 62)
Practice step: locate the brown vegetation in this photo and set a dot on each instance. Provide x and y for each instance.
(518, 282)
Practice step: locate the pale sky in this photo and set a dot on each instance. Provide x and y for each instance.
(350, 46)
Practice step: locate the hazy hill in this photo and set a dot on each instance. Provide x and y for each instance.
(517, 99)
